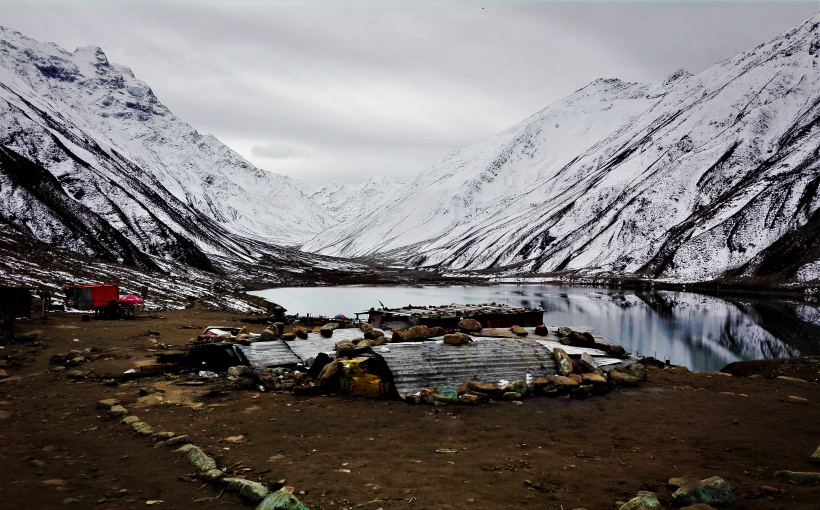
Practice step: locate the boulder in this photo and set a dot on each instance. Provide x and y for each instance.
(364, 343)
(435, 331)
(328, 374)
(199, 460)
(457, 339)
(611, 349)
(541, 330)
(588, 363)
(128, 420)
(283, 499)
(562, 361)
(116, 411)
(562, 332)
(576, 377)
(638, 371)
(178, 441)
(288, 336)
(643, 501)
(239, 371)
(623, 379)
(373, 334)
(397, 335)
(714, 491)
(518, 330)
(463, 388)
(269, 334)
(300, 332)
(416, 334)
(594, 379)
(797, 477)
(252, 491)
(468, 399)
(578, 339)
(561, 383)
(365, 327)
(483, 387)
(344, 347)
(280, 326)
(815, 457)
(469, 326)
(142, 428)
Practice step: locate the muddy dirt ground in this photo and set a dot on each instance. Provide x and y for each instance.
(357, 453)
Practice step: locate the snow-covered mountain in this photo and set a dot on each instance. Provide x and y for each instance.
(90, 160)
(353, 201)
(693, 178)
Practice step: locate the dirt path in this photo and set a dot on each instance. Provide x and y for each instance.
(358, 453)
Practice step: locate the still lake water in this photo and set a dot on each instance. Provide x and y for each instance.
(699, 331)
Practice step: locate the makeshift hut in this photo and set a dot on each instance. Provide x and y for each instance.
(15, 301)
(92, 297)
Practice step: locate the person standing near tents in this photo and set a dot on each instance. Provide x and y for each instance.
(46, 297)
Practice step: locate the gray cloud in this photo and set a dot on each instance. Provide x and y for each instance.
(367, 88)
(276, 150)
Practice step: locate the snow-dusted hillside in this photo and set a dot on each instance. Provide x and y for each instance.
(690, 179)
(92, 161)
(353, 201)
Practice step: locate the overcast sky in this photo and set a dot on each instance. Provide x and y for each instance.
(346, 90)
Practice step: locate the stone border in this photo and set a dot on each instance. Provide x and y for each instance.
(206, 467)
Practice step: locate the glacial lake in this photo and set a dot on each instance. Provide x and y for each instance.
(699, 331)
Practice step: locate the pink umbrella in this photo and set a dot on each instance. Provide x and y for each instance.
(131, 299)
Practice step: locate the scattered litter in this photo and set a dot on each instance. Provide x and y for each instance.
(446, 450)
(171, 376)
(343, 470)
(129, 371)
(154, 502)
(208, 374)
(255, 396)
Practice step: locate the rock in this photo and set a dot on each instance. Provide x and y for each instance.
(771, 490)
(178, 441)
(468, 399)
(483, 387)
(58, 369)
(562, 332)
(235, 439)
(198, 458)
(511, 395)
(674, 483)
(328, 374)
(366, 327)
(541, 330)
(107, 403)
(562, 384)
(578, 339)
(577, 378)
(792, 379)
(562, 360)
(518, 330)
(280, 326)
(269, 334)
(791, 399)
(326, 331)
(588, 363)
(252, 491)
(623, 379)
(142, 428)
(163, 436)
(397, 335)
(364, 343)
(415, 334)
(643, 501)
(239, 371)
(283, 499)
(435, 331)
(469, 325)
(75, 362)
(212, 475)
(71, 501)
(815, 457)
(638, 371)
(714, 491)
(128, 420)
(300, 332)
(343, 348)
(799, 478)
(378, 340)
(117, 410)
(611, 349)
(373, 334)
(463, 388)
(78, 374)
(457, 339)
(593, 379)
(288, 336)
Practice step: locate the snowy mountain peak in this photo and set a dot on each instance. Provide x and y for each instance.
(689, 179)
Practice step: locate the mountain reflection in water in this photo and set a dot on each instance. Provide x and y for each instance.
(699, 331)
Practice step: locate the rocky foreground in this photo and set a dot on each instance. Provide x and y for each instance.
(678, 429)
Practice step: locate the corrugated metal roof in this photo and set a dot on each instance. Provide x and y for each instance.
(270, 354)
(316, 343)
(438, 365)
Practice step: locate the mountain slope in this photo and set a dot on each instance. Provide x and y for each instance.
(352, 201)
(686, 180)
(119, 176)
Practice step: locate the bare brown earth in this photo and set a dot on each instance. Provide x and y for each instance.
(543, 453)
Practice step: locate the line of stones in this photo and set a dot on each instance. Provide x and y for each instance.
(206, 467)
